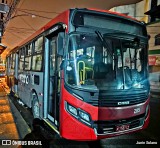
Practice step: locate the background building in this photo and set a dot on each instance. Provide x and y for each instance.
(149, 12)
(153, 28)
(136, 10)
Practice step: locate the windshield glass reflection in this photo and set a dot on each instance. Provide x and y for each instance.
(120, 64)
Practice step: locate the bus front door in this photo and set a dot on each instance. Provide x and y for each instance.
(53, 102)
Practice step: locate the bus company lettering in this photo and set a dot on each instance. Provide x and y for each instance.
(24, 78)
(53, 29)
(123, 103)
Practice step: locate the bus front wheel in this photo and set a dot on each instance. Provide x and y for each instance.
(35, 107)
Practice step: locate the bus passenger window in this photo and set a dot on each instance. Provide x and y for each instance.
(27, 63)
(28, 51)
(21, 59)
(21, 64)
(37, 63)
(13, 61)
(38, 45)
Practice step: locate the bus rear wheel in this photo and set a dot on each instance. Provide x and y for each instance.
(35, 107)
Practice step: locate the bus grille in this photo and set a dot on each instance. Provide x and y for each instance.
(109, 127)
(111, 100)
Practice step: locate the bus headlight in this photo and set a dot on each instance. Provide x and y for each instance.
(84, 116)
(72, 109)
(78, 113)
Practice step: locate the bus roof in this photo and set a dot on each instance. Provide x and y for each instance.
(63, 17)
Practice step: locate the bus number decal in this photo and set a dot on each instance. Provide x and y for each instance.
(136, 110)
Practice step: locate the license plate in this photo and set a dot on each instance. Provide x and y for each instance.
(122, 128)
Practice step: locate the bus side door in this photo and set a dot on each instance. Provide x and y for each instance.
(53, 102)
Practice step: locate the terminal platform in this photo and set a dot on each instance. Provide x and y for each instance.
(11, 122)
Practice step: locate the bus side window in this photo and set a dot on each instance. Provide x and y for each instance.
(37, 62)
(38, 45)
(28, 53)
(37, 51)
(21, 59)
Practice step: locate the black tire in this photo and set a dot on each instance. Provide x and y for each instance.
(35, 107)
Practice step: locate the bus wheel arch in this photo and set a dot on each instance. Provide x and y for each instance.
(35, 105)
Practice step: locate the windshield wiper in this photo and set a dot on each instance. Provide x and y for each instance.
(104, 43)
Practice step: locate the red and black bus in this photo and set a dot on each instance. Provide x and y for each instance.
(85, 73)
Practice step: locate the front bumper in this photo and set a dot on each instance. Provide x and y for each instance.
(137, 123)
(73, 129)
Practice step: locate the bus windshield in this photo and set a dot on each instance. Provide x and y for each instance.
(118, 64)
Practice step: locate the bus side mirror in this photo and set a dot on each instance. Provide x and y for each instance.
(60, 43)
